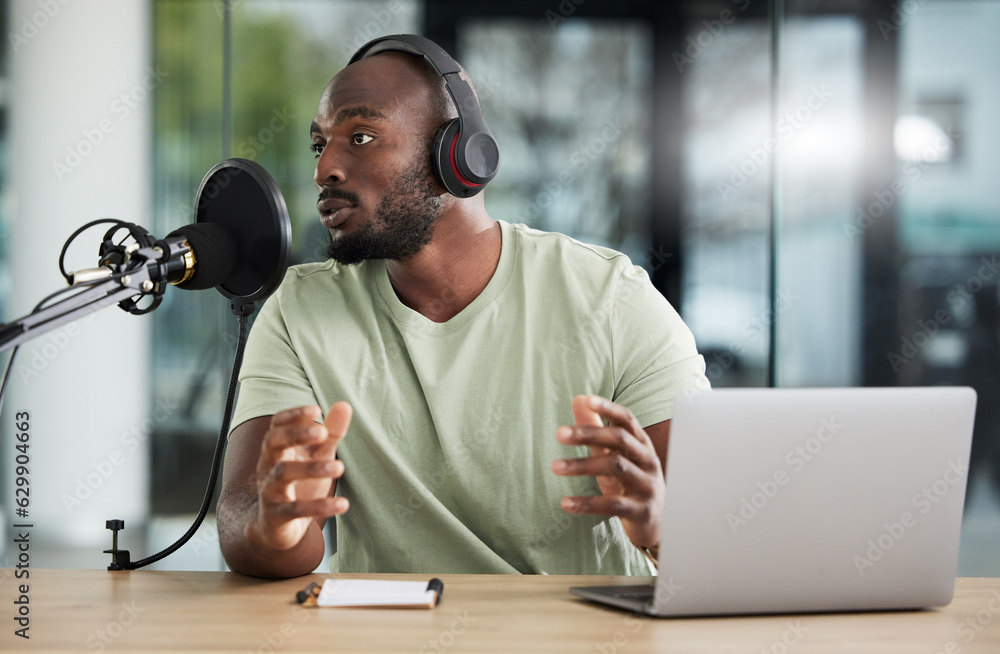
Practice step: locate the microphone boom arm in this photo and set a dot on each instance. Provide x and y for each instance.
(148, 276)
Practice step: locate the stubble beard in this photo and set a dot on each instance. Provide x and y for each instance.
(403, 223)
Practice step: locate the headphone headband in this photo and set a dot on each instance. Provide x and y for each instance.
(465, 154)
(412, 44)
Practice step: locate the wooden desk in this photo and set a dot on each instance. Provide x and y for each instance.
(99, 611)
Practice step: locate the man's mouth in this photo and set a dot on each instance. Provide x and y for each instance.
(333, 212)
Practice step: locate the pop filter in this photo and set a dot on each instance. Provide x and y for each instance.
(239, 196)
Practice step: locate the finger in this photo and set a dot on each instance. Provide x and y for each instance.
(584, 414)
(611, 439)
(297, 415)
(285, 472)
(615, 414)
(337, 421)
(634, 480)
(326, 507)
(624, 507)
(282, 525)
(278, 439)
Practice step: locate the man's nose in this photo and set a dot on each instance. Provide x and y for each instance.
(329, 169)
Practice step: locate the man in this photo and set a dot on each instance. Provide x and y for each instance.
(464, 362)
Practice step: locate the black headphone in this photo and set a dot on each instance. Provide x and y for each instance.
(465, 156)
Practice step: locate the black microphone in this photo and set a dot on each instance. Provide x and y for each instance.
(239, 242)
(210, 259)
(193, 257)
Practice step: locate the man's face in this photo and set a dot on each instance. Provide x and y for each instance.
(377, 194)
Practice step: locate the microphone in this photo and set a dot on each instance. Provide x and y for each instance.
(193, 257)
(239, 242)
(210, 259)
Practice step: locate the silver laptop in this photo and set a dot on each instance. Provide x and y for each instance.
(803, 500)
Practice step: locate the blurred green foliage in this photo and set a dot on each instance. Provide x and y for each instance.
(278, 73)
(283, 54)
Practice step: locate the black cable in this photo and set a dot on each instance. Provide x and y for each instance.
(216, 460)
(92, 282)
(65, 247)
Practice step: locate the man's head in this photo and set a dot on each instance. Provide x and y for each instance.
(373, 134)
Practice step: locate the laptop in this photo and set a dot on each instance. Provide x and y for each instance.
(809, 500)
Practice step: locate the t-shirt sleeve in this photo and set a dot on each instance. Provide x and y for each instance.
(272, 378)
(654, 353)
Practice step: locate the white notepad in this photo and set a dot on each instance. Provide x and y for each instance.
(379, 593)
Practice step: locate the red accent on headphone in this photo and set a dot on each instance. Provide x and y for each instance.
(454, 166)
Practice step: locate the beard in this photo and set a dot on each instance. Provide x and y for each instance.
(402, 226)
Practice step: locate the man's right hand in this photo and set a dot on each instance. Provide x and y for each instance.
(278, 484)
(296, 475)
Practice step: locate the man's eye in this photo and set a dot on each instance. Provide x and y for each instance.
(317, 148)
(361, 139)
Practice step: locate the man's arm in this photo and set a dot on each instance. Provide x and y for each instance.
(660, 435)
(277, 491)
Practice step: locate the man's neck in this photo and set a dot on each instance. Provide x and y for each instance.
(450, 271)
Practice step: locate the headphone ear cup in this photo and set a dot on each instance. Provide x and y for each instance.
(445, 166)
(441, 158)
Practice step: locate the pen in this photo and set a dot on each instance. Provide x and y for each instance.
(309, 595)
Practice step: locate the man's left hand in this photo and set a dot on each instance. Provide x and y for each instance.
(623, 460)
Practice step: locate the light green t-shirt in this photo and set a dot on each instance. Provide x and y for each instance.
(447, 459)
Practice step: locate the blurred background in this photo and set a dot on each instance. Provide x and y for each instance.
(809, 182)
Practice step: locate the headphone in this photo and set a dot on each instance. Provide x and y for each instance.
(465, 156)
